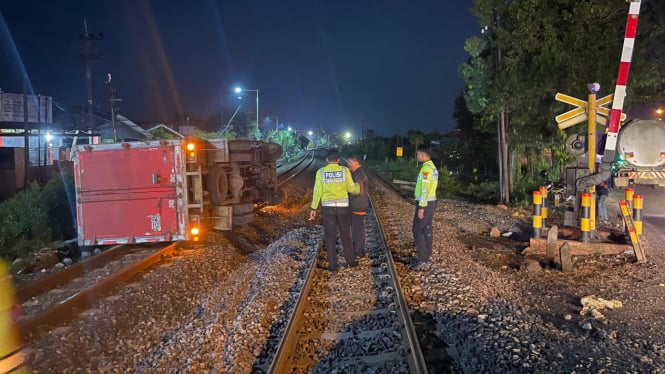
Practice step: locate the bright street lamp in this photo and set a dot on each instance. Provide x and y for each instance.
(659, 111)
(240, 90)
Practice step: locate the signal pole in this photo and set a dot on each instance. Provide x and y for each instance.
(114, 105)
(87, 56)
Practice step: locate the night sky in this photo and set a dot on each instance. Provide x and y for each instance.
(386, 65)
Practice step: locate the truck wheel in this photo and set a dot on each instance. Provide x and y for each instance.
(218, 184)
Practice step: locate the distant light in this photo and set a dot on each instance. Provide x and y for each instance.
(49, 137)
(289, 128)
(238, 90)
(309, 133)
(348, 134)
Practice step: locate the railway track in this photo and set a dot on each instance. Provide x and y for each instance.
(355, 320)
(60, 296)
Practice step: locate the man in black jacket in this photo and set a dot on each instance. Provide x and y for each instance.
(358, 204)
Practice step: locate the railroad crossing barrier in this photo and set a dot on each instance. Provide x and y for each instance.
(12, 359)
(630, 226)
(638, 203)
(537, 214)
(585, 220)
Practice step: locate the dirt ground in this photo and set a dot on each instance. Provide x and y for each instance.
(556, 295)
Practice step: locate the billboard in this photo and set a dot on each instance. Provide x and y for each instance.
(40, 108)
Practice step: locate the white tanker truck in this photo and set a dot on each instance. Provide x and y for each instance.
(641, 154)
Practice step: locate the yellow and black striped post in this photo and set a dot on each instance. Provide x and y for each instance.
(537, 214)
(592, 210)
(629, 197)
(638, 203)
(543, 193)
(585, 220)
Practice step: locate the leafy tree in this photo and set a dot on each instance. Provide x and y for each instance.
(530, 50)
(416, 138)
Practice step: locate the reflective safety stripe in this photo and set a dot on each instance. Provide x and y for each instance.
(12, 362)
(339, 203)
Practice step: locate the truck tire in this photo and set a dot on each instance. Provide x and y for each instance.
(218, 184)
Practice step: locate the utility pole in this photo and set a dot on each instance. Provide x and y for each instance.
(501, 124)
(114, 105)
(87, 56)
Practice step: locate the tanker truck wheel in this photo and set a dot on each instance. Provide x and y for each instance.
(218, 184)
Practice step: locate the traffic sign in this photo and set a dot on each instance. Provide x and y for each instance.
(570, 114)
(572, 121)
(570, 100)
(579, 114)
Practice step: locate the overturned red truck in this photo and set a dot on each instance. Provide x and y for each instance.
(170, 190)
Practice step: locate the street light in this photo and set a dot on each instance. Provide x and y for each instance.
(239, 90)
(659, 111)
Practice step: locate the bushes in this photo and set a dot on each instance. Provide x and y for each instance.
(36, 216)
(486, 192)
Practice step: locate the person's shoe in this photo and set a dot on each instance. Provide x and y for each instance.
(419, 265)
(328, 268)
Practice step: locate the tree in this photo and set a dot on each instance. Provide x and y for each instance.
(535, 49)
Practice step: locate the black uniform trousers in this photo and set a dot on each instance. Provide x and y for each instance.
(422, 232)
(337, 218)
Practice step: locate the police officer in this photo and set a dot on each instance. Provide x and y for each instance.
(332, 186)
(428, 179)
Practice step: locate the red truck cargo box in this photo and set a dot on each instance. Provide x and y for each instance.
(130, 192)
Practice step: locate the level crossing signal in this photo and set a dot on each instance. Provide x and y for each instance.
(579, 114)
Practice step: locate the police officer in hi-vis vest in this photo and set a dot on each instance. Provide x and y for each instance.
(428, 179)
(332, 186)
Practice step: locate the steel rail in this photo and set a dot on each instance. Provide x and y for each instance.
(82, 300)
(67, 274)
(416, 358)
(281, 362)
